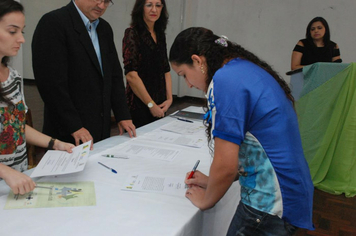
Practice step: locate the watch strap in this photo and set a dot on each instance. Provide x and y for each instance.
(51, 144)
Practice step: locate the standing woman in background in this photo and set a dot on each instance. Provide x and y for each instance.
(149, 83)
(316, 47)
(13, 156)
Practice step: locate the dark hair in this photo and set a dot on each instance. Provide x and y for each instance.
(201, 41)
(8, 6)
(326, 38)
(137, 16)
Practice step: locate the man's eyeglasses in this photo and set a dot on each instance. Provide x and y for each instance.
(158, 6)
(107, 3)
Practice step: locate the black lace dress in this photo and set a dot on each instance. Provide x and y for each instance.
(150, 61)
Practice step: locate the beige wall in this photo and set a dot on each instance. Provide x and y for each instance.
(269, 28)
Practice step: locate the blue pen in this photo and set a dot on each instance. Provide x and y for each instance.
(189, 121)
(112, 170)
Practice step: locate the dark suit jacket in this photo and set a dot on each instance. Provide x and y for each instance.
(69, 78)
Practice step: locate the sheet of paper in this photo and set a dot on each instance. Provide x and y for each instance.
(187, 128)
(155, 184)
(192, 109)
(196, 141)
(60, 195)
(195, 109)
(61, 162)
(135, 149)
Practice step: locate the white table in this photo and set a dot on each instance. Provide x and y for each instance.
(120, 212)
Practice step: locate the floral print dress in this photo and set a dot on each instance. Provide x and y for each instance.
(12, 123)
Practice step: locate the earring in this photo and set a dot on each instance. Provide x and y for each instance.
(202, 69)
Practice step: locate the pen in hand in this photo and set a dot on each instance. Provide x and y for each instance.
(112, 170)
(194, 169)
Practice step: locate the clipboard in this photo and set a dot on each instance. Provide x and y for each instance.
(189, 115)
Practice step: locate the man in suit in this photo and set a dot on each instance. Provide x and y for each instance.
(78, 73)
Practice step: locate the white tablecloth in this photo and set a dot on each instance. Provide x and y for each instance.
(120, 212)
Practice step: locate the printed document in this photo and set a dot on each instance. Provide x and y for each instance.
(61, 162)
(182, 127)
(196, 141)
(134, 148)
(155, 184)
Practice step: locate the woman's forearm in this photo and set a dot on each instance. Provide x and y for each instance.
(138, 87)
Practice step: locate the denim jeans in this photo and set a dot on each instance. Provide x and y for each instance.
(249, 221)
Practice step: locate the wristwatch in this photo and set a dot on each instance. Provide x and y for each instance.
(150, 104)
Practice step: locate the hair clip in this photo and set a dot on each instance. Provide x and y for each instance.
(222, 41)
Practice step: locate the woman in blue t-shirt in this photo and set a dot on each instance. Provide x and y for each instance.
(255, 136)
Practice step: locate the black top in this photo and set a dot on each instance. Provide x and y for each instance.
(149, 60)
(312, 53)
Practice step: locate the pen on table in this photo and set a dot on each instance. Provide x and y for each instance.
(16, 196)
(194, 169)
(185, 120)
(112, 170)
(113, 156)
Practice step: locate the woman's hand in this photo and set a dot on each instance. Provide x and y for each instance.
(165, 105)
(197, 187)
(196, 195)
(206, 191)
(156, 111)
(198, 179)
(17, 181)
(62, 146)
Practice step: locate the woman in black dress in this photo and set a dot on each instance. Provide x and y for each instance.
(149, 83)
(316, 47)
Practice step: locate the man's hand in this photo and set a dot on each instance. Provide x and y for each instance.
(128, 126)
(84, 136)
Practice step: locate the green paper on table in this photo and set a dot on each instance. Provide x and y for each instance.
(57, 195)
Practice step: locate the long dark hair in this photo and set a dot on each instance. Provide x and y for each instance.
(201, 41)
(8, 6)
(137, 17)
(326, 38)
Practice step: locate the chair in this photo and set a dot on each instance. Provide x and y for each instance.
(31, 149)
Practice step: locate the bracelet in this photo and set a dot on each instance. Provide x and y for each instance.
(51, 144)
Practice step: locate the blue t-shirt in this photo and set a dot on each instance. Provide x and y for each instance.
(250, 108)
